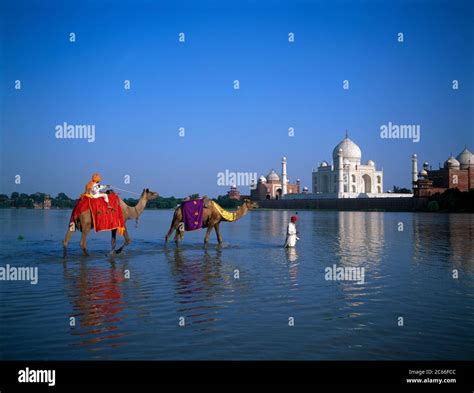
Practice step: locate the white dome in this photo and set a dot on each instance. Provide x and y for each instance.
(349, 150)
(272, 176)
(324, 164)
(451, 162)
(423, 173)
(370, 163)
(465, 158)
(262, 179)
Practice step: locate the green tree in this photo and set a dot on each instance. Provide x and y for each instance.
(63, 197)
(401, 190)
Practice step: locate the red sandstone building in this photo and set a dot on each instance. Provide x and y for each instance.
(270, 187)
(274, 187)
(456, 173)
(233, 193)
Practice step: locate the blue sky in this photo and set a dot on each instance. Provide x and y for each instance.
(190, 85)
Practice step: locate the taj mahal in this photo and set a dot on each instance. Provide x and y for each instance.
(346, 177)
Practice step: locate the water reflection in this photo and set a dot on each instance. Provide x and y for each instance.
(461, 239)
(201, 286)
(269, 223)
(451, 235)
(97, 299)
(361, 238)
(292, 256)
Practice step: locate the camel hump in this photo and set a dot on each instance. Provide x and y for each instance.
(207, 201)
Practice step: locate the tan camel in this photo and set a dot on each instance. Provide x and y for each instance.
(129, 212)
(210, 219)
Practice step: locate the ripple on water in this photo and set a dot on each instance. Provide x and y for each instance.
(407, 274)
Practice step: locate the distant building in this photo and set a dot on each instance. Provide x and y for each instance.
(45, 204)
(456, 173)
(274, 187)
(233, 193)
(347, 177)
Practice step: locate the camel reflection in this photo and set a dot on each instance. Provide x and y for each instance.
(97, 300)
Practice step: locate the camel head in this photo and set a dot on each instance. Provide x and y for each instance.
(149, 195)
(250, 204)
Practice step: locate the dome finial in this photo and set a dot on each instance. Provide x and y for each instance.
(347, 134)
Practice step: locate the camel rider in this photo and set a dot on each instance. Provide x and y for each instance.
(93, 189)
(291, 233)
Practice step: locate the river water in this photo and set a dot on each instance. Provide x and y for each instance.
(250, 299)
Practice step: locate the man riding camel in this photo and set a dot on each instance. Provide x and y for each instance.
(93, 189)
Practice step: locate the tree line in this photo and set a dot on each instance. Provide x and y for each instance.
(62, 201)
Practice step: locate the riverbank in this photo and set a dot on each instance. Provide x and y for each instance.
(452, 200)
(349, 204)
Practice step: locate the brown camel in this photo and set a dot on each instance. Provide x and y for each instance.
(86, 225)
(210, 219)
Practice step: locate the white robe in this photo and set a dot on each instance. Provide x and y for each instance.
(96, 192)
(291, 237)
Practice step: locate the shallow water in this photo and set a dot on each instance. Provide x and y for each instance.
(407, 273)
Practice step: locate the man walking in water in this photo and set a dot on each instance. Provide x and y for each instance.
(291, 237)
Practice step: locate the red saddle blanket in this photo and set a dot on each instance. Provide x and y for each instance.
(103, 217)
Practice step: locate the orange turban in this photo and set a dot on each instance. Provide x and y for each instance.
(95, 179)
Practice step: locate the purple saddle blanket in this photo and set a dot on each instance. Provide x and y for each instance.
(192, 214)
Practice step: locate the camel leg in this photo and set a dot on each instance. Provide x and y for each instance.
(173, 226)
(208, 233)
(85, 232)
(126, 242)
(114, 239)
(177, 237)
(218, 233)
(127, 238)
(66, 242)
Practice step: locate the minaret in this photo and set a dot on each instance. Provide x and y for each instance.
(284, 180)
(340, 177)
(414, 169)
